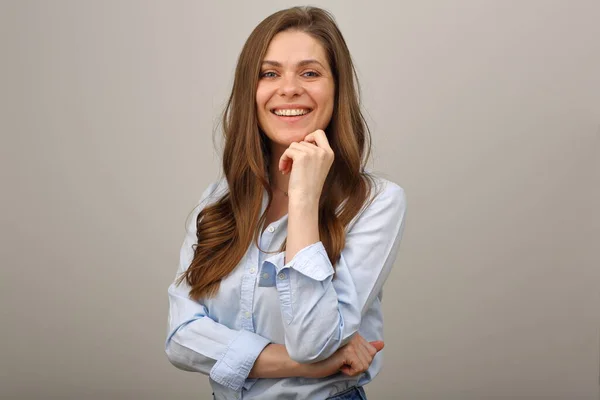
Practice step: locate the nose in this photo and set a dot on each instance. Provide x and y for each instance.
(290, 85)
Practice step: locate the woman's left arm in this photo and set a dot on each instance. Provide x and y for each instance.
(321, 313)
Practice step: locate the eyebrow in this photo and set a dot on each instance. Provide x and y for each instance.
(299, 64)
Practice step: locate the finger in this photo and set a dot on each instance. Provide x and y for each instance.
(314, 150)
(365, 357)
(319, 137)
(320, 140)
(287, 159)
(370, 349)
(363, 342)
(350, 370)
(353, 360)
(346, 370)
(284, 164)
(296, 148)
(309, 139)
(360, 358)
(308, 147)
(305, 146)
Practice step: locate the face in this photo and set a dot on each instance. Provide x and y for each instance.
(295, 89)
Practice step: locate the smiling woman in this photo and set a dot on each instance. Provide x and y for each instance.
(279, 287)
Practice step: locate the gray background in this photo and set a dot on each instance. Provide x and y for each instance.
(486, 112)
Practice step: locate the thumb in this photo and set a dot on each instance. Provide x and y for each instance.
(378, 344)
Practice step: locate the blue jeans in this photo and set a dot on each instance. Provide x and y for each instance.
(354, 393)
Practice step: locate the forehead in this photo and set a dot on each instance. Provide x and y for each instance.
(289, 47)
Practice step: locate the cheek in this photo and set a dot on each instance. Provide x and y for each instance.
(324, 98)
(262, 96)
(260, 102)
(327, 111)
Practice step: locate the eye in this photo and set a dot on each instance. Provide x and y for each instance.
(266, 74)
(314, 74)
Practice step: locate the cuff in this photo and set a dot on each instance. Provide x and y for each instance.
(234, 366)
(312, 261)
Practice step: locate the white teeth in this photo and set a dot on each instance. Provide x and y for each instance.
(289, 113)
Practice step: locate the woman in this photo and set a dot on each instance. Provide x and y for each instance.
(279, 286)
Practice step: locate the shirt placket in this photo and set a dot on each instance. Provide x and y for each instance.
(266, 272)
(251, 271)
(247, 295)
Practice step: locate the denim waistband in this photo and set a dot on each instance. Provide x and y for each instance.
(354, 393)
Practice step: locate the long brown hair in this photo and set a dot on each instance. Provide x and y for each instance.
(226, 228)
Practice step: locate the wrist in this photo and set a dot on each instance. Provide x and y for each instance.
(295, 369)
(305, 370)
(303, 202)
(304, 209)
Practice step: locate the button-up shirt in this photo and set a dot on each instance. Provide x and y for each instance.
(301, 304)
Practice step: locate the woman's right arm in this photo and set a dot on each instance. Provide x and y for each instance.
(195, 342)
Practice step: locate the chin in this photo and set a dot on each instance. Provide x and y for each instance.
(286, 137)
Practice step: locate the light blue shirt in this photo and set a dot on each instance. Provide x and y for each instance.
(300, 304)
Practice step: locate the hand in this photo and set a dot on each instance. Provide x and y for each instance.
(352, 359)
(358, 355)
(308, 163)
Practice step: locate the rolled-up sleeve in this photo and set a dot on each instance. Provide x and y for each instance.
(322, 313)
(195, 342)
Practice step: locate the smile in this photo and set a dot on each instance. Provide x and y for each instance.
(289, 112)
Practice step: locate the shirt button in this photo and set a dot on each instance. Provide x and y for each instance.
(281, 275)
(252, 270)
(271, 229)
(265, 275)
(247, 314)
